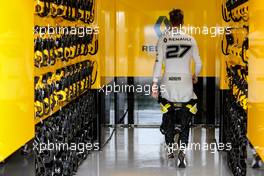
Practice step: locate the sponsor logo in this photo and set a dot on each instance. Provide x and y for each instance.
(160, 21)
(174, 78)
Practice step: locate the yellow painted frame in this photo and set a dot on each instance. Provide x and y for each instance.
(256, 76)
(16, 76)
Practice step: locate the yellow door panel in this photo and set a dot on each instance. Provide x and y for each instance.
(256, 76)
(16, 76)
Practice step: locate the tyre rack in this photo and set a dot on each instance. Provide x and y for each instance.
(65, 70)
(48, 19)
(235, 49)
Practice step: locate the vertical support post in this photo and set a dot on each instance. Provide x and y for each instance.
(130, 102)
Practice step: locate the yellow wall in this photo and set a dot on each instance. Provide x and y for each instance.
(126, 26)
(135, 27)
(107, 23)
(16, 76)
(256, 76)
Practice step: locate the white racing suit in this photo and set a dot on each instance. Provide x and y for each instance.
(176, 53)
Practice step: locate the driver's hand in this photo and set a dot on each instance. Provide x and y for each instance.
(195, 79)
(155, 91)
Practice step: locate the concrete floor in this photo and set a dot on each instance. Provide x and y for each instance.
(18, 165)
(140, 152)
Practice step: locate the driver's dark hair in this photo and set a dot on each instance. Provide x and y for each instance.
(176, 17)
